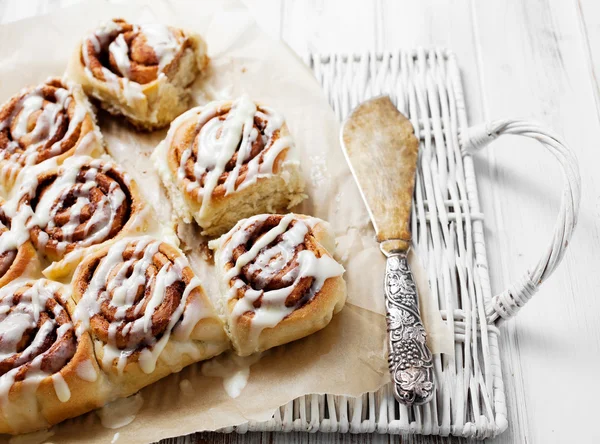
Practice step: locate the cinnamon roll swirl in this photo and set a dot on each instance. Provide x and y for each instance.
(81, 204)
(146, 311)
(140, 71)
(48, 371)
(51, 121)
(226, 161)
(278, 280)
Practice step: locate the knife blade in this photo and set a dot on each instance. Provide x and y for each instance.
(382, 151)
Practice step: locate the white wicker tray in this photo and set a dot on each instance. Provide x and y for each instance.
(449, 237)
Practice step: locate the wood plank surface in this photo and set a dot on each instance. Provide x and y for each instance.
(537, 59)
(534, 64)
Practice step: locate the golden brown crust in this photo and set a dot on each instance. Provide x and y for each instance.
(24, 142)
(265, 180)
(61, 366)
(311, 307)
(186, 136)
(143, 62)
(162, 314)
(136, 84)
(110, 185)
(24, 259)
(202, 340)
(86, 395)
(14, 262)
(306, 320)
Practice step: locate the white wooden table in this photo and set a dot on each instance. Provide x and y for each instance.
(537, 59)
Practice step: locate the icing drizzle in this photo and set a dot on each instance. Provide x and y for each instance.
(130, 64)
(234, 144)
(163, 41)
(40, 123)
(136, 299)
(10, 241)
(37, 337)
(279, 273)
(85, 202)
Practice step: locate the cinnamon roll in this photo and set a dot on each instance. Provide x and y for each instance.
(48, 371)
(81, 204)
(140, 71)
(146, 311)
(278, 280)
(16, 252)
(226, 161)
(51, 121)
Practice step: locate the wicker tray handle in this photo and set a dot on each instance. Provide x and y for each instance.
(505, 305)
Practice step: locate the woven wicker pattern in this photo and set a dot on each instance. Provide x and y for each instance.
(448, 236)
(506, 304)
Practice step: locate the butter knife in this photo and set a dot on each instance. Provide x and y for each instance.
(382, 151)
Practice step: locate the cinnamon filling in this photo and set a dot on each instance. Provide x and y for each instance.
(125, 51)
(273, 269)
(39, 339)
(257, 148)
(38, 119)
(124, 334)
(85, 220)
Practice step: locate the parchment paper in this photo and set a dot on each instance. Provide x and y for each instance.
(349, 356)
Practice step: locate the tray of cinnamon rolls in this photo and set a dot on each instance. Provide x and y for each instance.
(97, 297)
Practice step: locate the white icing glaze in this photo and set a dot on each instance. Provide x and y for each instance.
(163, 42)
(18, 234)
(121, 412)
(159, 37)
(232, 369)
(12, 328)
(87, 144)
(122, 279)
(132, 91)
(85, 370)
(214, 154)
(100, 38)
(96, 229)
(115, 438)
(267, 261)
(61, 388)
(218, 140)
(120, 52)
(50, 116)
(15, 320)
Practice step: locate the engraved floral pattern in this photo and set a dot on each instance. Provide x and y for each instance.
(398, 318)
(394, 283)
(409, 359)
(416, 332)
(415, 379)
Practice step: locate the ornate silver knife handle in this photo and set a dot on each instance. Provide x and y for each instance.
(409, 358)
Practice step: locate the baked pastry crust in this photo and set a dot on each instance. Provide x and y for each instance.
(278, 280)
(137, 312)
(226, 161)
(16, 256)
(48, 371)
(142, 72)
(77, 207)
(146, 311)
(53, 120)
